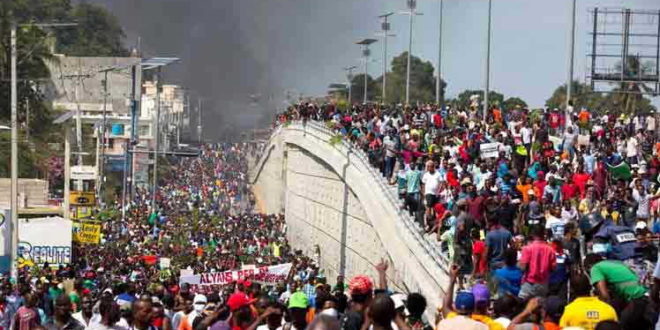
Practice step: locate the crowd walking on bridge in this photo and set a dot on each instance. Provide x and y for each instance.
(550, 218)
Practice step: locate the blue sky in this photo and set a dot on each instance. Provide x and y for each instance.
(529, 54)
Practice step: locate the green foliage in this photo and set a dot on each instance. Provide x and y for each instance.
(422, 80)
(335, 139)
(620, 100)
(374, 89)
(512, 102)
(463, 99)
(98, 33)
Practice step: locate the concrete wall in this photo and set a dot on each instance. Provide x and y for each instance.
(32, 191)
(333, 199)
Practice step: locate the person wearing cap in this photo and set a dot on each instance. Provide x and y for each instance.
(481, 305)
(458, 312)
(199, 304)
(361, 290)
(242, 315)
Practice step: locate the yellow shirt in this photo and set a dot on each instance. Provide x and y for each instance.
(492, 325)
(586, 312)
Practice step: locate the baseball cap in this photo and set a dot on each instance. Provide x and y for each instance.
(464, 301)
(360, 284)
(298, 300)
(481, 294)
(237, 300)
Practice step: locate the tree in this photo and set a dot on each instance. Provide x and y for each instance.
(422, 80)
(357, 89)
(628, 96)
(463, 99)
(582, 96)
(512, 102)
(98, 33)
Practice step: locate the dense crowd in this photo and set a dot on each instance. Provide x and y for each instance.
(550, 217)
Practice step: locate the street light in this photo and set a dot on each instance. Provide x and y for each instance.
(385, 27)
(571, 56)
(412, 6)
(350, 81)
(487, 78)
(156, 63)
(438, 79)
(366, 52)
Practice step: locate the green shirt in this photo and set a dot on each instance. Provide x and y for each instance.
(619, 277)
(75, 300)
(413, 179)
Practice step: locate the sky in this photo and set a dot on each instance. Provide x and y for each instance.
(233, 48)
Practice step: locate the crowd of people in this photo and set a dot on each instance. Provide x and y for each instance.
(550, 217)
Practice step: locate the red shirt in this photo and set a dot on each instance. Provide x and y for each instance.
(439, 212)
(554, 120)
(479, 251)
(580, 180)
(540, 259)
(568, 191)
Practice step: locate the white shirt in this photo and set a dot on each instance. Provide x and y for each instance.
(526, 135)
(431, 182)
(556, 225)
(631, 147)
(650, 123)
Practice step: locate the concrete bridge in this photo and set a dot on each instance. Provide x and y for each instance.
(339, 207)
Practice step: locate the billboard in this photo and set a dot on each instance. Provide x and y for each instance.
(42, 240)
(5, 240)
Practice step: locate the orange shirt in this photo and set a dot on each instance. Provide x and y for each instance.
(524, 191)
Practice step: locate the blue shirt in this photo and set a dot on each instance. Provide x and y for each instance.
(508, 280)
(497, 241)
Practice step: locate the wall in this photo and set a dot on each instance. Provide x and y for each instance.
(333, 199)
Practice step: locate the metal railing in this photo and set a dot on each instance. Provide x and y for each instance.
(431, 247)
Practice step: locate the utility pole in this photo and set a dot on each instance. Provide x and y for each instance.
(67, 170)
(438, 79)
(14, 156)
(366, 52)
(487, 77)
(157, 128)
(412, 4)
(101, 163)
(199, 119)
(571, 57)
(385, 27)
(27, 119)
(350, 83)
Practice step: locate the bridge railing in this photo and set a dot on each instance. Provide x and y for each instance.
(430, 246)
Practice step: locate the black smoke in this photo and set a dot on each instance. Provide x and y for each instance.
(234, 49)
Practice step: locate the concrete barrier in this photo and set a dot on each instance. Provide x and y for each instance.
(335, 202)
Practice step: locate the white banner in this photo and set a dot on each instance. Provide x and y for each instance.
(489, 150)
(83, 172)
(165, 263)
(268, 275)
(44, 240)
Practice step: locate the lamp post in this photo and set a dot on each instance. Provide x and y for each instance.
(350, 81)
(571, 57)
(366, 52)
(438, 79)
(487, 76)
(385, 27)
(412, 6)
(157, 63)
(14, 139)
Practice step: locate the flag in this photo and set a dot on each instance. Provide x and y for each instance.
(620, 171)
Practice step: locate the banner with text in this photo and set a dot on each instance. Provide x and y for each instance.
(87, 233)
(268, 275)
(489, 150)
